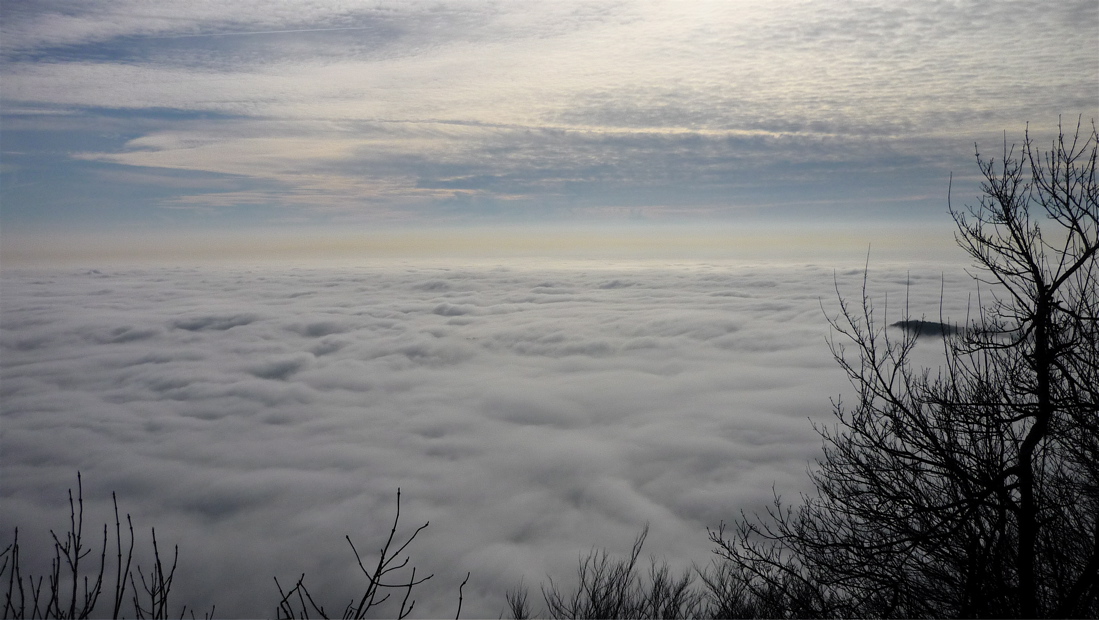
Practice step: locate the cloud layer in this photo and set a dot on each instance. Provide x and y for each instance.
(411, 111)
(527, 411)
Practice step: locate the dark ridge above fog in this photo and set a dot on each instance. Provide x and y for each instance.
(919, 327)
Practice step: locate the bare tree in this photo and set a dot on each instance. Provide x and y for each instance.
(974, 491)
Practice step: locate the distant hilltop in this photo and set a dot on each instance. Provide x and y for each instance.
(920, 327)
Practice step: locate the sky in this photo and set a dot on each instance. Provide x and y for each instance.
(556, 270)
(133, 122)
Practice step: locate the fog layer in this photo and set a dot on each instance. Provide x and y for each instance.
(528, 411)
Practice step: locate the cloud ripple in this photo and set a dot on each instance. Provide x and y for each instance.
(255, 417)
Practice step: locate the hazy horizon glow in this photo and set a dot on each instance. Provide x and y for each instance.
(776, 243)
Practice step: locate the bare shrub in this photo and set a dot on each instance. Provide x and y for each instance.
(382, 581)
(74, 584)
(609, 587)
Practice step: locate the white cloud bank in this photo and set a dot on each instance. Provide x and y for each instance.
(528, 411)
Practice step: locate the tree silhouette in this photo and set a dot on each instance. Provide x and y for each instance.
(973, 492)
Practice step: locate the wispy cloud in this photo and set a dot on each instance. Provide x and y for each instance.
(552, 99)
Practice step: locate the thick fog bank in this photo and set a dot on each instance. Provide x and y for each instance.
(528, 412)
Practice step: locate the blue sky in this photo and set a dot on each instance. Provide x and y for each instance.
(145, 118)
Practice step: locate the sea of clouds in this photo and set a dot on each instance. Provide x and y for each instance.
(529, 411)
